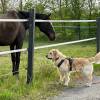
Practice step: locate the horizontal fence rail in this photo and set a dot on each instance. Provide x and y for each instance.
(13, 20)
(84, 27)
(64, 43)
(59, 21)
(24, 20)
(13, 51)
(46, 46)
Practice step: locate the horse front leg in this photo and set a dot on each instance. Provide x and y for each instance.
(13, 58)
(18, 46)
(17, 63)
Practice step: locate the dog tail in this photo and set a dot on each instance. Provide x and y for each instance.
(91, 60)
(97, 58)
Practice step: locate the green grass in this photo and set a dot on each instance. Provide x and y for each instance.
(45, 74)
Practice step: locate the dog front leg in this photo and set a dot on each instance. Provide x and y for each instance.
(61, 77)
(67, 79)
(89, 80)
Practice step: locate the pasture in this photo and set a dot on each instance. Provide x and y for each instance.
(45, 74)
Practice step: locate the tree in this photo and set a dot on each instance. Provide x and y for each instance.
(21, 5)
(76, 12)
(4, 5)
(91, 6)
(28, 5)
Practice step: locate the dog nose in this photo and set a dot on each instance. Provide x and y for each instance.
(46, 56)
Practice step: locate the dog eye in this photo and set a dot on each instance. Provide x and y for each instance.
(50, 53)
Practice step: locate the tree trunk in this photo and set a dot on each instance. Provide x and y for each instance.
(21, 5)
(90, 10)
(3, 3)
(61, 17)
(76, 14)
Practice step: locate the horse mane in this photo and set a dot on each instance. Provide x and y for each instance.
(41, 16)
(23, 15)
(37, 15)
(12, 13)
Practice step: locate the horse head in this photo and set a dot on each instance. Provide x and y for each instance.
(45, 27)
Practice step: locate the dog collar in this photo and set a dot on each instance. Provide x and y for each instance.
(60, 63)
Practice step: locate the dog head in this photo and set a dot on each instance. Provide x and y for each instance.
(54, 54)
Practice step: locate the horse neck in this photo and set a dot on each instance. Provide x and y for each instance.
(38, 16)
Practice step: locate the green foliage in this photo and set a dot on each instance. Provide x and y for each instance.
(71, 9)
(6, 95)
(28, 5)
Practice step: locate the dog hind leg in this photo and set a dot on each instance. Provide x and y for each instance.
(89, 80)
(66, 79)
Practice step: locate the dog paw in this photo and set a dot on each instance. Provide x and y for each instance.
(61, 83)
(88, 84)
(65, 84)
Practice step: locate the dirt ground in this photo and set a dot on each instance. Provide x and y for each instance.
(81, 92)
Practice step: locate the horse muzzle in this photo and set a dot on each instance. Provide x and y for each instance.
(52, 37)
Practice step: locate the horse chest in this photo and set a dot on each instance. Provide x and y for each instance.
(8, 32)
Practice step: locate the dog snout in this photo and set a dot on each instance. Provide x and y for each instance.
(46, 56)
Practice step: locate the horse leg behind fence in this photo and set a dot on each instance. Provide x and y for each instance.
(17, 44)
(13, 58)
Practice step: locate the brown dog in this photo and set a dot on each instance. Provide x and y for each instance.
(68, 65)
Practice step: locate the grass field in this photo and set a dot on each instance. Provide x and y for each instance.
(45, 74)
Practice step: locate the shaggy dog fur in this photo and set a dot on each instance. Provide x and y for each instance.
(68, 65)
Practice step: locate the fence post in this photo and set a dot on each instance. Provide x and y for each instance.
(79, 33)
(31, 46)
(98, 34)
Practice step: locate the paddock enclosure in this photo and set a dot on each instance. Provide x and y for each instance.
(32, 47)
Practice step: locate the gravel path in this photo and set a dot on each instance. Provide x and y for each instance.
(81, 93)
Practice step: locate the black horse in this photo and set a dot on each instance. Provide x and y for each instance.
(13, 33)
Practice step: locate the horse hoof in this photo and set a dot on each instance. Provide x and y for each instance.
(16, 76)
